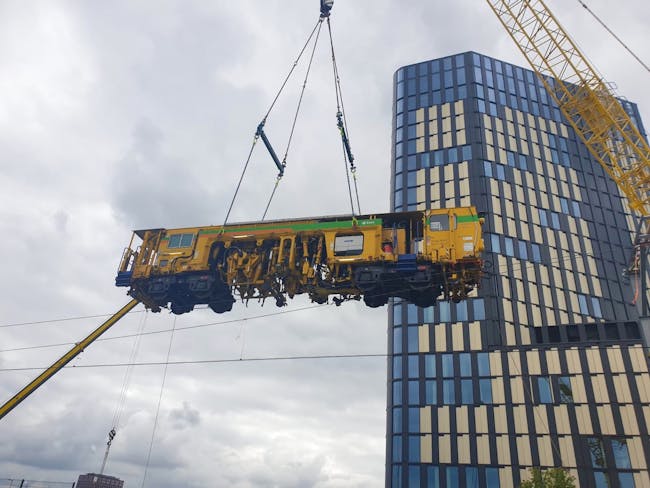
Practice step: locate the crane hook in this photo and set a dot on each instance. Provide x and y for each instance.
(325, 7)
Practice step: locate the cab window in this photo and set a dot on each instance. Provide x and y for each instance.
(180, 240)
(439, 222)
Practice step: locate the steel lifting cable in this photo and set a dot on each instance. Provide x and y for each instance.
(342, 124)
(295, 118)
(257, 133)
(620, 41)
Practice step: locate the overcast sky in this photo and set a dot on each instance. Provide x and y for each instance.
(139, 114)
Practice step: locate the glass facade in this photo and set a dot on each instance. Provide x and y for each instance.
(544, 366)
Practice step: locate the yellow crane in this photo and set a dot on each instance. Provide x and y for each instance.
(583, 96)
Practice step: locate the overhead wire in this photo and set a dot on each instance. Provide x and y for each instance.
(160, 396)
(618, 39)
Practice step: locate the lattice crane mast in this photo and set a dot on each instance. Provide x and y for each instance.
(585, 99)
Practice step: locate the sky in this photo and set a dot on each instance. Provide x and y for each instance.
(139, 114)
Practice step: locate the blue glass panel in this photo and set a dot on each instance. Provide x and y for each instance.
(602, 480)
(448, 392)
(449, 79)
(414, 420)
(596, 452)
(510, 247)
(485, 387)
(446, 63)
(397, 392)
(412, 163)
(397, 476)
(414, 366)
(467, 153)
(479, 309)
(544, 390)
(397, 448)
(433, 477)
(555, 218)
(460, 60)
(398, 198)
(471, 477)
(414, 393)
(542, 217)
(397, 367)
(523, 250)
(411, 131)
(431, 392)
(410, 71)
(495, 243)
(414, 450)
(447, 365)
(397, 340)
(461, 311)
(397, 420)
(501, 173)
(399, 149)
(427, 315)
(445, 311)
(453, 155)
(399, 121)
(460, 76)
(452, 477)
(596, 304)
(414, 475)
(400, 75)
(411, 117)
(413, 339)
(565, 390)
(465, 360)
(397, 314)
(430, 366)
(621, 454)
(424, 158)
(424, 84)
(400, 90)
(626, 480)
(412, 313)
(584, 309)
(537, 256)
(466, 392)
(487, 169)
(412, 180)
(492, 477)
(436, 98)
(483, 360)
(478, 76)
(462, 91)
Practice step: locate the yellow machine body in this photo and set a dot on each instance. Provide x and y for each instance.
(419, 256)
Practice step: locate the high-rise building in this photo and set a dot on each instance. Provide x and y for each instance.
(545, 366)
(93, 480)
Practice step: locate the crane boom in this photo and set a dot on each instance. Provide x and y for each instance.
(65, 359)
(582, 95)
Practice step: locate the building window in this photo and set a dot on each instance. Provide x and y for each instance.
(544, 390)
(413, 339)
(492, 477)
(430, 392)
(494, 240)
(397, 449)
(412, 314)
(621, 454)
(397, 314)
(626, 480)
(414, 450)
(445, 312)
(397, 420)
(483, 360)
(413, 366)
(180, 240)
(397, 392)
(414, 392)
(479, 309)
(465, 360)
(447, 366)
(448, 392)
(602, 480)
(430, 366)
(452, 477)
(564, 389)
(397, 340)
(461, 311)
(414, 474)
(397, 367)
(485, 388)
(433, 477)
(414, 420)
(596, 452)
(466, 392)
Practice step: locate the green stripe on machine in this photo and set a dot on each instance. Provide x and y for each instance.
(461, 219)
(344, 224)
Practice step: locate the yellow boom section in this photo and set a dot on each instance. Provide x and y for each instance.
(583, 97)
(65, 359)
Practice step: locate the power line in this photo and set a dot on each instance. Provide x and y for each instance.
(620, 41)
(212, 361)
(65, 319)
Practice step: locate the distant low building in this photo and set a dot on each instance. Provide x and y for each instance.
(92, 480)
